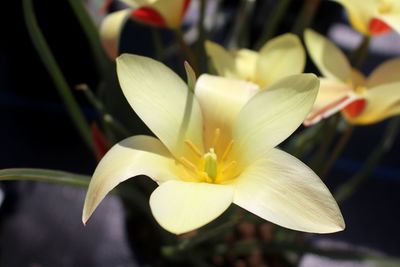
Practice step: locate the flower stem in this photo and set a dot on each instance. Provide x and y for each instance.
(91, 32)
(240, 28)
(200, 50)
(190, 57)
(344, 139)
(55, 72)
(360, 54)
(386, 142)
(273, 21)
(306, 16)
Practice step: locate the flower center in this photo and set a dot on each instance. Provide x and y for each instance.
(212, 166)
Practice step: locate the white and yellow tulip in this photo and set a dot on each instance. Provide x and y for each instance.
(278, 58)
(214, 148)
(158, 13)
(362, 100)
(372, 17)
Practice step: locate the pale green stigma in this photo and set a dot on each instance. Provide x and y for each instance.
(211, 164)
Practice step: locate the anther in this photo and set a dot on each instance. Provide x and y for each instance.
(227, 151)
(193, 147)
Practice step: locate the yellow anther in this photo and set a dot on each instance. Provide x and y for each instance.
(217, 134)
(229, 166)
(227, 151)
(360, 90)
(189, 165)
(194, 148)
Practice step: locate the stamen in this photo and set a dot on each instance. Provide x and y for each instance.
(206, 178)
(229, 167)
(217, 134)
(193, 147)
(227, 151)
(189, 165)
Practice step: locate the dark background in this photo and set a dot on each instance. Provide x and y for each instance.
(40, 224)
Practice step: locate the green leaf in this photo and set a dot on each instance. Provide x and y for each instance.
(43, 175)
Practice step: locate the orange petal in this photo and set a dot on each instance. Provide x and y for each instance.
(377, 26)
(150, 16)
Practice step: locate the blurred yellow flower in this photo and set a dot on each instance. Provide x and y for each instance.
(159, 13)
(362, 100)
(371, 17)
(278, 58)
(216, 147)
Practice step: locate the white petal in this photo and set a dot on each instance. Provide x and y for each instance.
(387, 72)
(281, 189)
(180, 207)
(272, 115)
(163, 101)
(221, 99)
(110, 31)
(137, 155)
(280, 57)
(331, 62)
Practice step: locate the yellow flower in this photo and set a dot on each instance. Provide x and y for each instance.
(159, 13)
(371, 17)
(278, 58)
(216, 147)
(362, 100)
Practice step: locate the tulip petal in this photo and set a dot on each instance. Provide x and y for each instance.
(392, 19)
(110, 31)
(360, 13)
(245, 64)
(331, 62)
(280, 57)
(387, 72)
(272, 115)
(281, 189)
(163, 101)
(180, 207)
(171, 11)
(382, 102)
(331, 98)
(137, 155)
(221, 99)
(222, 60)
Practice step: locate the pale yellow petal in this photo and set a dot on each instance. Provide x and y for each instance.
(171, 11)
(245, 64)
(331, 98)
(382, 102)
(163, 101)
(221, 99)
(222, 60)
(387, 72)
(360, 13)
(181, 207)
(137, 155)
(110, 31)
(272, 115)
(281, 189)
(331, 62)
(279, 58)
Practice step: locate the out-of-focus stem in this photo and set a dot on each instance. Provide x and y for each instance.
(344, 139)
(92, 34)
(55, 72)
(389, 136)
(200, 50)
(238, 37)
(306, 16)
(273, 21)
(359, 55)
(190, 57)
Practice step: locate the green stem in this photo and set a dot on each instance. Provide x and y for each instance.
(92, 34)
(55, 72)
(360, 54)
(158, 46)
(273, 21)
(190, 57)
(43, 175)
(344, 139)
(306, 16)
(241, 26)
(386, 142)
(328, 137)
